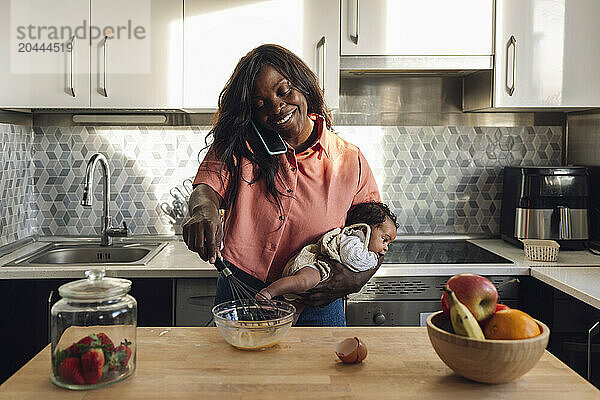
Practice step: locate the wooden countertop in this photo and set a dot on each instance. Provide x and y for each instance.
(196, 363)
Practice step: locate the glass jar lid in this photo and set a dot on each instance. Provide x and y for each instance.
(95, 287)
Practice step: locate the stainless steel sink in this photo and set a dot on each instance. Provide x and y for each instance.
(67, 254)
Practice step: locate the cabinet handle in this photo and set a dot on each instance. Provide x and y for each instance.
(71, 85)
(323, 45)
(511, 42)
(105, 94)
(50, 315)
(593, 331)
(355, 36)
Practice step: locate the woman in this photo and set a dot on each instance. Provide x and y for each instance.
(276, 204)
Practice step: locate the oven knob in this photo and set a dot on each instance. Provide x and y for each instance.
(379, 318)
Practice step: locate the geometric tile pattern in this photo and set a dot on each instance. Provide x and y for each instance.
(18, 218)
(145, 163)
(449, 179)
(436, 179)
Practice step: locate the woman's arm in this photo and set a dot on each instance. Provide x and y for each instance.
(203, 232)
(340, 283)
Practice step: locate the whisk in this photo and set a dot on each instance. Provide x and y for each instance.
(254, 306)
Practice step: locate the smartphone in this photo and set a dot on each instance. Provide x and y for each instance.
(273, 143)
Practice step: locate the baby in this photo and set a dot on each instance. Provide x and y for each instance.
(370, 227)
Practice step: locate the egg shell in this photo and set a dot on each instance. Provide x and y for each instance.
(351, 350)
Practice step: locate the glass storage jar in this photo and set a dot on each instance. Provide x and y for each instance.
(93, 330)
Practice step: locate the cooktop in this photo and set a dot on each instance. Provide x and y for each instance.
(440, 252)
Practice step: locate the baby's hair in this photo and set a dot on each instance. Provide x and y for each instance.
(371, 213)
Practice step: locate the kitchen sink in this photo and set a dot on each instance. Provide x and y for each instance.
(69, 253)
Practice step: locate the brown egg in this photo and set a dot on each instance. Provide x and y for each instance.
(351, 350)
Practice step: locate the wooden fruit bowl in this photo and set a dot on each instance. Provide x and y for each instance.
(488, 361)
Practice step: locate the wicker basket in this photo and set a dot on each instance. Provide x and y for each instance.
(540, 250)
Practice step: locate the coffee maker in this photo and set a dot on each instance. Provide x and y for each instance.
(546, 203)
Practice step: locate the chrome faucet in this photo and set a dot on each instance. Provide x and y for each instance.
(108, 232)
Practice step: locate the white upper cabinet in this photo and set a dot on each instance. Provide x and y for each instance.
(547, 54)
(219, 33)
(45, 58)
(140, 64)
(416, 27)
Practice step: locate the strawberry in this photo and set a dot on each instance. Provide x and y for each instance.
(58, 358)
(127, 351)
(105, 341)
(120, 356)
(87, 343)
(95, 341)
(88, 340)
(71, 371)
(92, 363)
(73, 350)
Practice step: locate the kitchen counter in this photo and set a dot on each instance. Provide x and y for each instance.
(176, 261)
(576, 273)
(571, 273)
(192, 363)
(173, 261)
(579, 282)
(521, 265)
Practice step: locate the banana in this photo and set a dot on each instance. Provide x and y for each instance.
(463, 321)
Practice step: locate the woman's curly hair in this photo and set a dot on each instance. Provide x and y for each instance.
(233, 138)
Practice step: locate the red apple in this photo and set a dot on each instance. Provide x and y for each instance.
(501, 307)
(498, 308)
(474, 291)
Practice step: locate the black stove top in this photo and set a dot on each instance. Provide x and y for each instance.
(440, 252)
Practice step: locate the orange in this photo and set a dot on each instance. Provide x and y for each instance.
(511, 324)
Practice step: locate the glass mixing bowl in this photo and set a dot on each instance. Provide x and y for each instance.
(253, 324)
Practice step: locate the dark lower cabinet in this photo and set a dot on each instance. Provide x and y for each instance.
(194, 301)
(569, 320)
(155, 298)
(25, 318)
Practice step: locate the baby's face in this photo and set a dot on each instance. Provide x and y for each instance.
(381, 236)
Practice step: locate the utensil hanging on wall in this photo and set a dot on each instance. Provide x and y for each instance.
(168, 211)
(178, 194)
(188, 186)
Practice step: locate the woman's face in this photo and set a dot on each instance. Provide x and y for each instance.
(280, 107)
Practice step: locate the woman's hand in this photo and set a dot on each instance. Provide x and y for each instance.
(340, 283)
(203, 232)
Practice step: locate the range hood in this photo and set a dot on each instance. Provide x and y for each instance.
(418, 65)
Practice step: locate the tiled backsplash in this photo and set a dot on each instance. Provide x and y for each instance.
(449, 179)
(17, 198)
(436, 179)
(145, 163)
